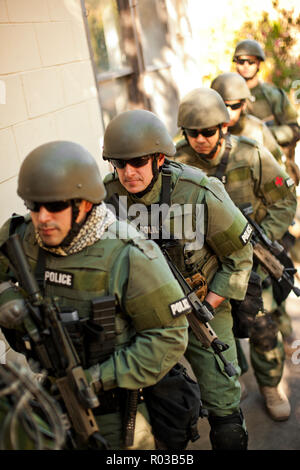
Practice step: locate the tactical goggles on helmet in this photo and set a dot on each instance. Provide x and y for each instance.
(55, 206)
(249, 61)
(235, 105)
(205, 132)
(135, 162)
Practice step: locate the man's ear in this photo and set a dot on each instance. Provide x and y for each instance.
(88, 206)
(224, 128)
(160, 160)
(84, 208)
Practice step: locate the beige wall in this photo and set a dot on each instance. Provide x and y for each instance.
(47, 86)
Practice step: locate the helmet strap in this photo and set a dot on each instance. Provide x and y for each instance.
(75, 227)
(155, 172)
(212, 153)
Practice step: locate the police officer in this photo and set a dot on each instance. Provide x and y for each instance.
(235, 93)
(83, 254)
(250, 175)
(269, 103)
(137, 143)
(21, 428)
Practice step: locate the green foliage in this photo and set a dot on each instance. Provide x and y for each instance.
(279, 39)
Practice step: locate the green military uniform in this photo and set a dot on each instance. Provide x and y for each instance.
(271, 104)
(20, 427)
(149, 341)
(253, 176)
(97, 257)
(232, 87)
(223, 260)
(254, 128)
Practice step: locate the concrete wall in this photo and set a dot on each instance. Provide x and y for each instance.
(47, 86)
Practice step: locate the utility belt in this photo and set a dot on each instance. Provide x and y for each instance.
(115, 400)
(93, 337)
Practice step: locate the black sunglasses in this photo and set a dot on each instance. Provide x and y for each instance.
(205, 132)
(242, 61)
(235, 105)
(55, 206)
(136, 162)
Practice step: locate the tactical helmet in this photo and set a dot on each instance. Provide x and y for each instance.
(136, 133)
(202, 108)
(60, 170)
(231, 86)
(249, 47)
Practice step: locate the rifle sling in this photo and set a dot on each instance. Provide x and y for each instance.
(221, 169)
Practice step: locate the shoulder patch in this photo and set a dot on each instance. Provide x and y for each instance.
(180, 307)
(246, 234)
(279, 181)
(289, 182)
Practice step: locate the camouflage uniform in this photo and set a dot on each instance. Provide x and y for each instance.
(255, 129)
(233, 87)
(253, 176)
(223, 260)
(271, 104)
(120, 263)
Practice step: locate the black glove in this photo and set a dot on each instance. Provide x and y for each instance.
(13, 307)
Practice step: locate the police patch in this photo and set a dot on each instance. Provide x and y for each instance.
(59, 278)
(180, 307)
(246, 234)
(289, 182)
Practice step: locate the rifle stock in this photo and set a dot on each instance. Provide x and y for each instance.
(54, 349)
(268, 253)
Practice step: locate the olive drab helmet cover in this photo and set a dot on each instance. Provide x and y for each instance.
(249, 47)
(202, 108)
(60, 170)
(231, 86)
(134, 134)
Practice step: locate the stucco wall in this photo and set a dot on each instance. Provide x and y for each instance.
(47, 88)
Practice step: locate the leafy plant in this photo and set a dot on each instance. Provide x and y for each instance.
(280, 40)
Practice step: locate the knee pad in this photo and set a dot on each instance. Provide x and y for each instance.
(228, 432)
(264, 332)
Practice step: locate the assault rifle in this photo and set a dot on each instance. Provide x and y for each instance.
(272, 257)
(200, 314)
(49, 341)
